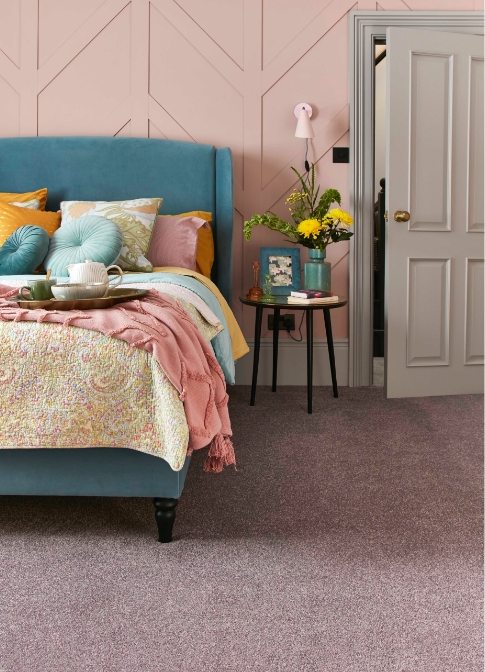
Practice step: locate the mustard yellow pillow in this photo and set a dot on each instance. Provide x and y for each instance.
(205, 243)
(13, 217)
(34, 200)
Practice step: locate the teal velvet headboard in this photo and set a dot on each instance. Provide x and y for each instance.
(188, 176)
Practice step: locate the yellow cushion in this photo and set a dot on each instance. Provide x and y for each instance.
(40, 195)
(204, 257)
(205, 243)
(12, 218)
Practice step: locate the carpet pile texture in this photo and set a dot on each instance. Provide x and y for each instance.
(347, 541)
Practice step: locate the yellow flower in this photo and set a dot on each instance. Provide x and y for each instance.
(310, 227)
(344, 218)
(294, 197)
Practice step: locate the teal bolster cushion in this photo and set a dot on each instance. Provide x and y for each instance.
(89, 237)
(24, 250)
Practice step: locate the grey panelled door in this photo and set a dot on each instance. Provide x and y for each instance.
(434, 255)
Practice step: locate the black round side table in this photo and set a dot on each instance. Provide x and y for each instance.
(276, 305)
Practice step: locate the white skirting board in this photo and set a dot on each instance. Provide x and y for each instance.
(292, 362)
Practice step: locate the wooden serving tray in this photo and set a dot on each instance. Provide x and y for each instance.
(117, 295)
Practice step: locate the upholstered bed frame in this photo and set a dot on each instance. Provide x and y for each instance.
(189, 177)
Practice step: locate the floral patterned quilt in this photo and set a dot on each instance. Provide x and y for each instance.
(77, 388)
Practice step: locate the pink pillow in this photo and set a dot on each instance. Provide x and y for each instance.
(174, 241)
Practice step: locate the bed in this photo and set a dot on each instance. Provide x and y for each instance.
(189, 176)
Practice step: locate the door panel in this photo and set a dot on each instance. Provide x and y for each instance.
(475, 299)
(434, 265)
(475, 148)
(428, 312)
(430, 136)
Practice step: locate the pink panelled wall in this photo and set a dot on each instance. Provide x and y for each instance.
(225, 72)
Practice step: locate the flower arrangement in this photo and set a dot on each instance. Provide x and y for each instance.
(315, 224)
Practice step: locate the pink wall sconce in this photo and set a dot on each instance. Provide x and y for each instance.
(304, 128)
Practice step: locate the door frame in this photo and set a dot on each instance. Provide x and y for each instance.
(365, 28)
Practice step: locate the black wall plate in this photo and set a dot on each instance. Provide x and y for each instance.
(341, 155)
(287, 322)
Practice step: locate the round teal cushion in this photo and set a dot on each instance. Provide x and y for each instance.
(89, 237)
(23, 250)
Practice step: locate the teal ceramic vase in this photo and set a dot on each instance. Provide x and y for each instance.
(318, 271)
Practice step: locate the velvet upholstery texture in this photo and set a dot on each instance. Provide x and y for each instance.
(24, 250)
(89, 237)
(188, 176)
(96, 472)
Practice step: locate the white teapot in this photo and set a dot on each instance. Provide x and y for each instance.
(92, 272)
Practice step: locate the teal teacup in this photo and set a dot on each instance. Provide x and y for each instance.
(37, 290)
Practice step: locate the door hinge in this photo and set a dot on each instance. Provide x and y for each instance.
(386, 216)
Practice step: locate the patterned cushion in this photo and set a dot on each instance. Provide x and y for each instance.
(35, 200)
(24, 250)
(13, 217)
(89, 237)
(136, 220)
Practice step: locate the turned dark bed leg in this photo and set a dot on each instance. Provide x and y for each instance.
(165, 517)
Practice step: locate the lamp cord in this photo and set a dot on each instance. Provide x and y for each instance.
(298, 340)
(307, 178)
(307, 165)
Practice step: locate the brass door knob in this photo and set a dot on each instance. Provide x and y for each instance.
(401, 216)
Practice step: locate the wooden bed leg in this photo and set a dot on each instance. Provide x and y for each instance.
(165, 517)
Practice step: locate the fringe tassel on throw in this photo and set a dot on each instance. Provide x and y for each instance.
(221, 454)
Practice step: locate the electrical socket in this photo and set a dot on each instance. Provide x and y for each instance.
(287, 319)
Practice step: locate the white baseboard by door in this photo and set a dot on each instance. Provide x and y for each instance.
(292, 362)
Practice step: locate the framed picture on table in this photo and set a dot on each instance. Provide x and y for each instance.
(282, 264)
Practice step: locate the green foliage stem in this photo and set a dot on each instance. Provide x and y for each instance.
(272, 222)
(305, 204)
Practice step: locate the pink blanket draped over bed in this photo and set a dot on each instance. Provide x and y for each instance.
(159, 325)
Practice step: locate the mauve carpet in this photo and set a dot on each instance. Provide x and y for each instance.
(347, 541)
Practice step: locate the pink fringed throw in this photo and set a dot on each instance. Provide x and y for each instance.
(159, 325)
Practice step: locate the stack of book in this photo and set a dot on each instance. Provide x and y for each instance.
(312, 296)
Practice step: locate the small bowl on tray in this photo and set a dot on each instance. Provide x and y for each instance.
(74, 290)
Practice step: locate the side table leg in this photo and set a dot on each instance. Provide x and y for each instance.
(257, 343)
(309, 358)
(276, 333)
(331, 354)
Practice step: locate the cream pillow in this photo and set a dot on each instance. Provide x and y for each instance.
(136, 219)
